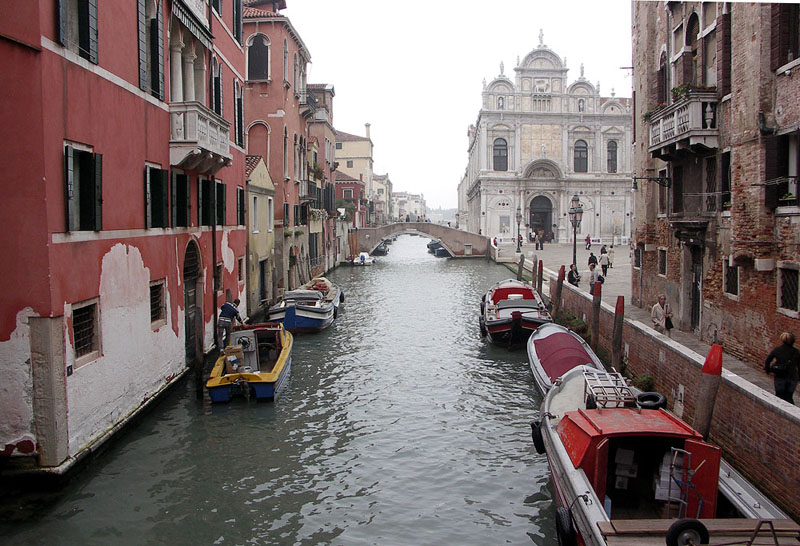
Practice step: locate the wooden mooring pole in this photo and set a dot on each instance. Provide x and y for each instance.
(539, 276)
(555, 300)
(616, 337)
(520, 267)
(598, 292)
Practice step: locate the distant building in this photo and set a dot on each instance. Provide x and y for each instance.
(261, 273)
(354, 155)
(382, 198)
(717, 119)
(409, 205)
(538, 141)
(350, 193)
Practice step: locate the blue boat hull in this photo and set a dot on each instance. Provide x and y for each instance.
(264, 390)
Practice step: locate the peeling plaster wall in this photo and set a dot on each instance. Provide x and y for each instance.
(16, 389)
(135, 362)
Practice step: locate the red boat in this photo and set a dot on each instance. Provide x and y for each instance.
(627, 471)
(510, 311)
(553, 351)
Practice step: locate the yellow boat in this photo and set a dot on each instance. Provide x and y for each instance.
(258, 360)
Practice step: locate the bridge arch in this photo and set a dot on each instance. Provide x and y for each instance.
(461, 244)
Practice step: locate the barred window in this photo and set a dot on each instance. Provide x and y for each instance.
(218, 277)
(500, 155)
(581, 163)
(730, 276)
(662, 261)
(84, 329)
(157, 302)
(787, 288)
(637, 257)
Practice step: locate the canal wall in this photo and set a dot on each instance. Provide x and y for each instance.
(757, 432)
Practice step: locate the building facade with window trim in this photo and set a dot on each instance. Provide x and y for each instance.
(119, 138)
(539, 140)
(718, 124)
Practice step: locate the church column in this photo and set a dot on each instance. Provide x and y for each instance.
(483, 148)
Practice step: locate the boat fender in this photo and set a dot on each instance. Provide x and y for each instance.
(341, 296)
(483, 307)
(536, 434)
(482, 324)
(687, 531)
(565, 529)
(651, 400)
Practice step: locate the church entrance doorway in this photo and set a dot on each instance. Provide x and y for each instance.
(541, 215)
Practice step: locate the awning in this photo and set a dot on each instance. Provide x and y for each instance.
(190, 21)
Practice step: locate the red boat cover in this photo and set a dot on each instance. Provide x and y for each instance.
(502, 292)
(559, 352)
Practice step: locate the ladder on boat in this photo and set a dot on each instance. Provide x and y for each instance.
(607, 389)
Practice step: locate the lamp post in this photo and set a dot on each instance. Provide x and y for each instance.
(575, 217)
(519, 239)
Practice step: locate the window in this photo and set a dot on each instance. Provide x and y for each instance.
(254, 215)
(637, 257)
(677, 189)
(77, 27)
(285, 154)
(218, 277)
(347, 193)
(338, 145)
(83, 190)
(711, 184)
(216, 87)
(241, 217)
(725, 180)
(692, 29)
(380, 191)
(782, 155)
(787, 286)
(294, 75)
(350, 163)
(662, 261)
(220, 204)
(730, 279)
(217, 5)
(258, 58)
(205, 199)
(262, 280)
(285, 63)
(500, 155)
(156, 200)
(286, 215)
(612, 156)
(237, 20)
(151, 48)
(662, 193)
(158, 303)
(240, 269)
(180, 200)
(785, 34)
(85, 331)
(581, 157)
(297, 215)
(238, 121)
(270, 214)
(661, 79)
(500, 103)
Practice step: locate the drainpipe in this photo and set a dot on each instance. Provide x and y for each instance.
(214, 256)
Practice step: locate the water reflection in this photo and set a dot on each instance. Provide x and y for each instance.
(399, 426)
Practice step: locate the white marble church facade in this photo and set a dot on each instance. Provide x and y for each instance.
(538, 141)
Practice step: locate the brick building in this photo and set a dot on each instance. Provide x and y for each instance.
(125, 223)
(717, 120)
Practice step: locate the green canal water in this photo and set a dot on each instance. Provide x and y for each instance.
(399, 425)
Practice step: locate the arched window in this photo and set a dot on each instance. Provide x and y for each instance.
(294, 77)
(612, 156)
(500, 155)
(581, 157)
(501, 103)
(285, 154)
(258, 58)
(285, 61)
(691, 41)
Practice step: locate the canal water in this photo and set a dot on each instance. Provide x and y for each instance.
(399, 425)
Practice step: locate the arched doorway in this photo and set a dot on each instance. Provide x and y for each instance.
(192, 306)
(541, 215)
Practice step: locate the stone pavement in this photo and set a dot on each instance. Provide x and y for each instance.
(618, 283)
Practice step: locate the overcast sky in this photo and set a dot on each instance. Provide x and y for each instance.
(414, 70)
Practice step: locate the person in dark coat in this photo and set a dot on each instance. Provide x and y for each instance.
(573, 277)
(592, 258)
(786, 367)
(228, 313)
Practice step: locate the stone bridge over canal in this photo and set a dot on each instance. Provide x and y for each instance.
(461, 244)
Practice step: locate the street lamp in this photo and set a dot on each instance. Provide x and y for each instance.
(519, 238)
(575, 217)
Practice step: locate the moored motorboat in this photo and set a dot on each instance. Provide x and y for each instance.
(553, 350)
(364, 259)
(310, 308)
(257, 362)
(433, 246)
(381, 250)
(510, 311)
(627, 471)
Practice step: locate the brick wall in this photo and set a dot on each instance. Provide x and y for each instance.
(757, 432)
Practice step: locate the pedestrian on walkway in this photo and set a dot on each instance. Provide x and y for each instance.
(611, 256)
(228, 313)
(592, 259)
(661, 315)
(786, 367)
(594, 277)
(589, 242)
(573, 277)
(604, 262)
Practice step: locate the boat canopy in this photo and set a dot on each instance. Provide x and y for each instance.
(503, 292)
(314, 295)
(559, 352)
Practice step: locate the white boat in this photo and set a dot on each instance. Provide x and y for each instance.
(364, 259)
(310, 308)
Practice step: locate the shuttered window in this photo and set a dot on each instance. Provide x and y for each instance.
(220, 204)
(785, 34)
(76, 27)
(156, 197)
(83, 190)
(205, 200)
(179, 198)
(240, 207)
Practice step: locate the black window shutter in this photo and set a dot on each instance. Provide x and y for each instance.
(155, 69)
(240, 117)
(220, 92)
(223, 220)
(173, 199)
(69, 182)
(164, 198)
(61, 22)
(159, 57)
(724, 53)
(92, 31)
(98, 192)
(142, 45)
(148, 198)
(200, 202)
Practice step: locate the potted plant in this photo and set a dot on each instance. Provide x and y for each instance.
(787, 197)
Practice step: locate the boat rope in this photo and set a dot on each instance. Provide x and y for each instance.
(586, 500)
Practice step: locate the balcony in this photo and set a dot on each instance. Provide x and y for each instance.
(689, 125)
(308, 104)
(199, 138)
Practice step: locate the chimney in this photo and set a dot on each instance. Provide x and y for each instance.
(366, 125)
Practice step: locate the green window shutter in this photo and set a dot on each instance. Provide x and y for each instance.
(98, 192)
(92, 31)
(173, 199)
(200, 202)
(142, 33)
(61, 22)
(163, 192)
(160, 50)
(148, 198)
(69, 184)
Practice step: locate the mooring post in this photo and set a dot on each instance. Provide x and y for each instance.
(616, 338)
(520, 267)
(534, 260)
(539, 276)
(556, 297)
(707, 392)
(598, 292)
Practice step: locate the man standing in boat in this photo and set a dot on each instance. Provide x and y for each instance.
(228, 313)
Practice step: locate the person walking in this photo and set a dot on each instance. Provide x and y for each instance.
(603, 261)
(588, 242)
(594, 277)
(611, 256)
(573, 277)
(228, 313)
(661, 315)
(786, 367)
(592, 259)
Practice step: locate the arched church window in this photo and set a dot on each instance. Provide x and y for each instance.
(612, 156)
(500, 155)
(581, 156)
(258, 58)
